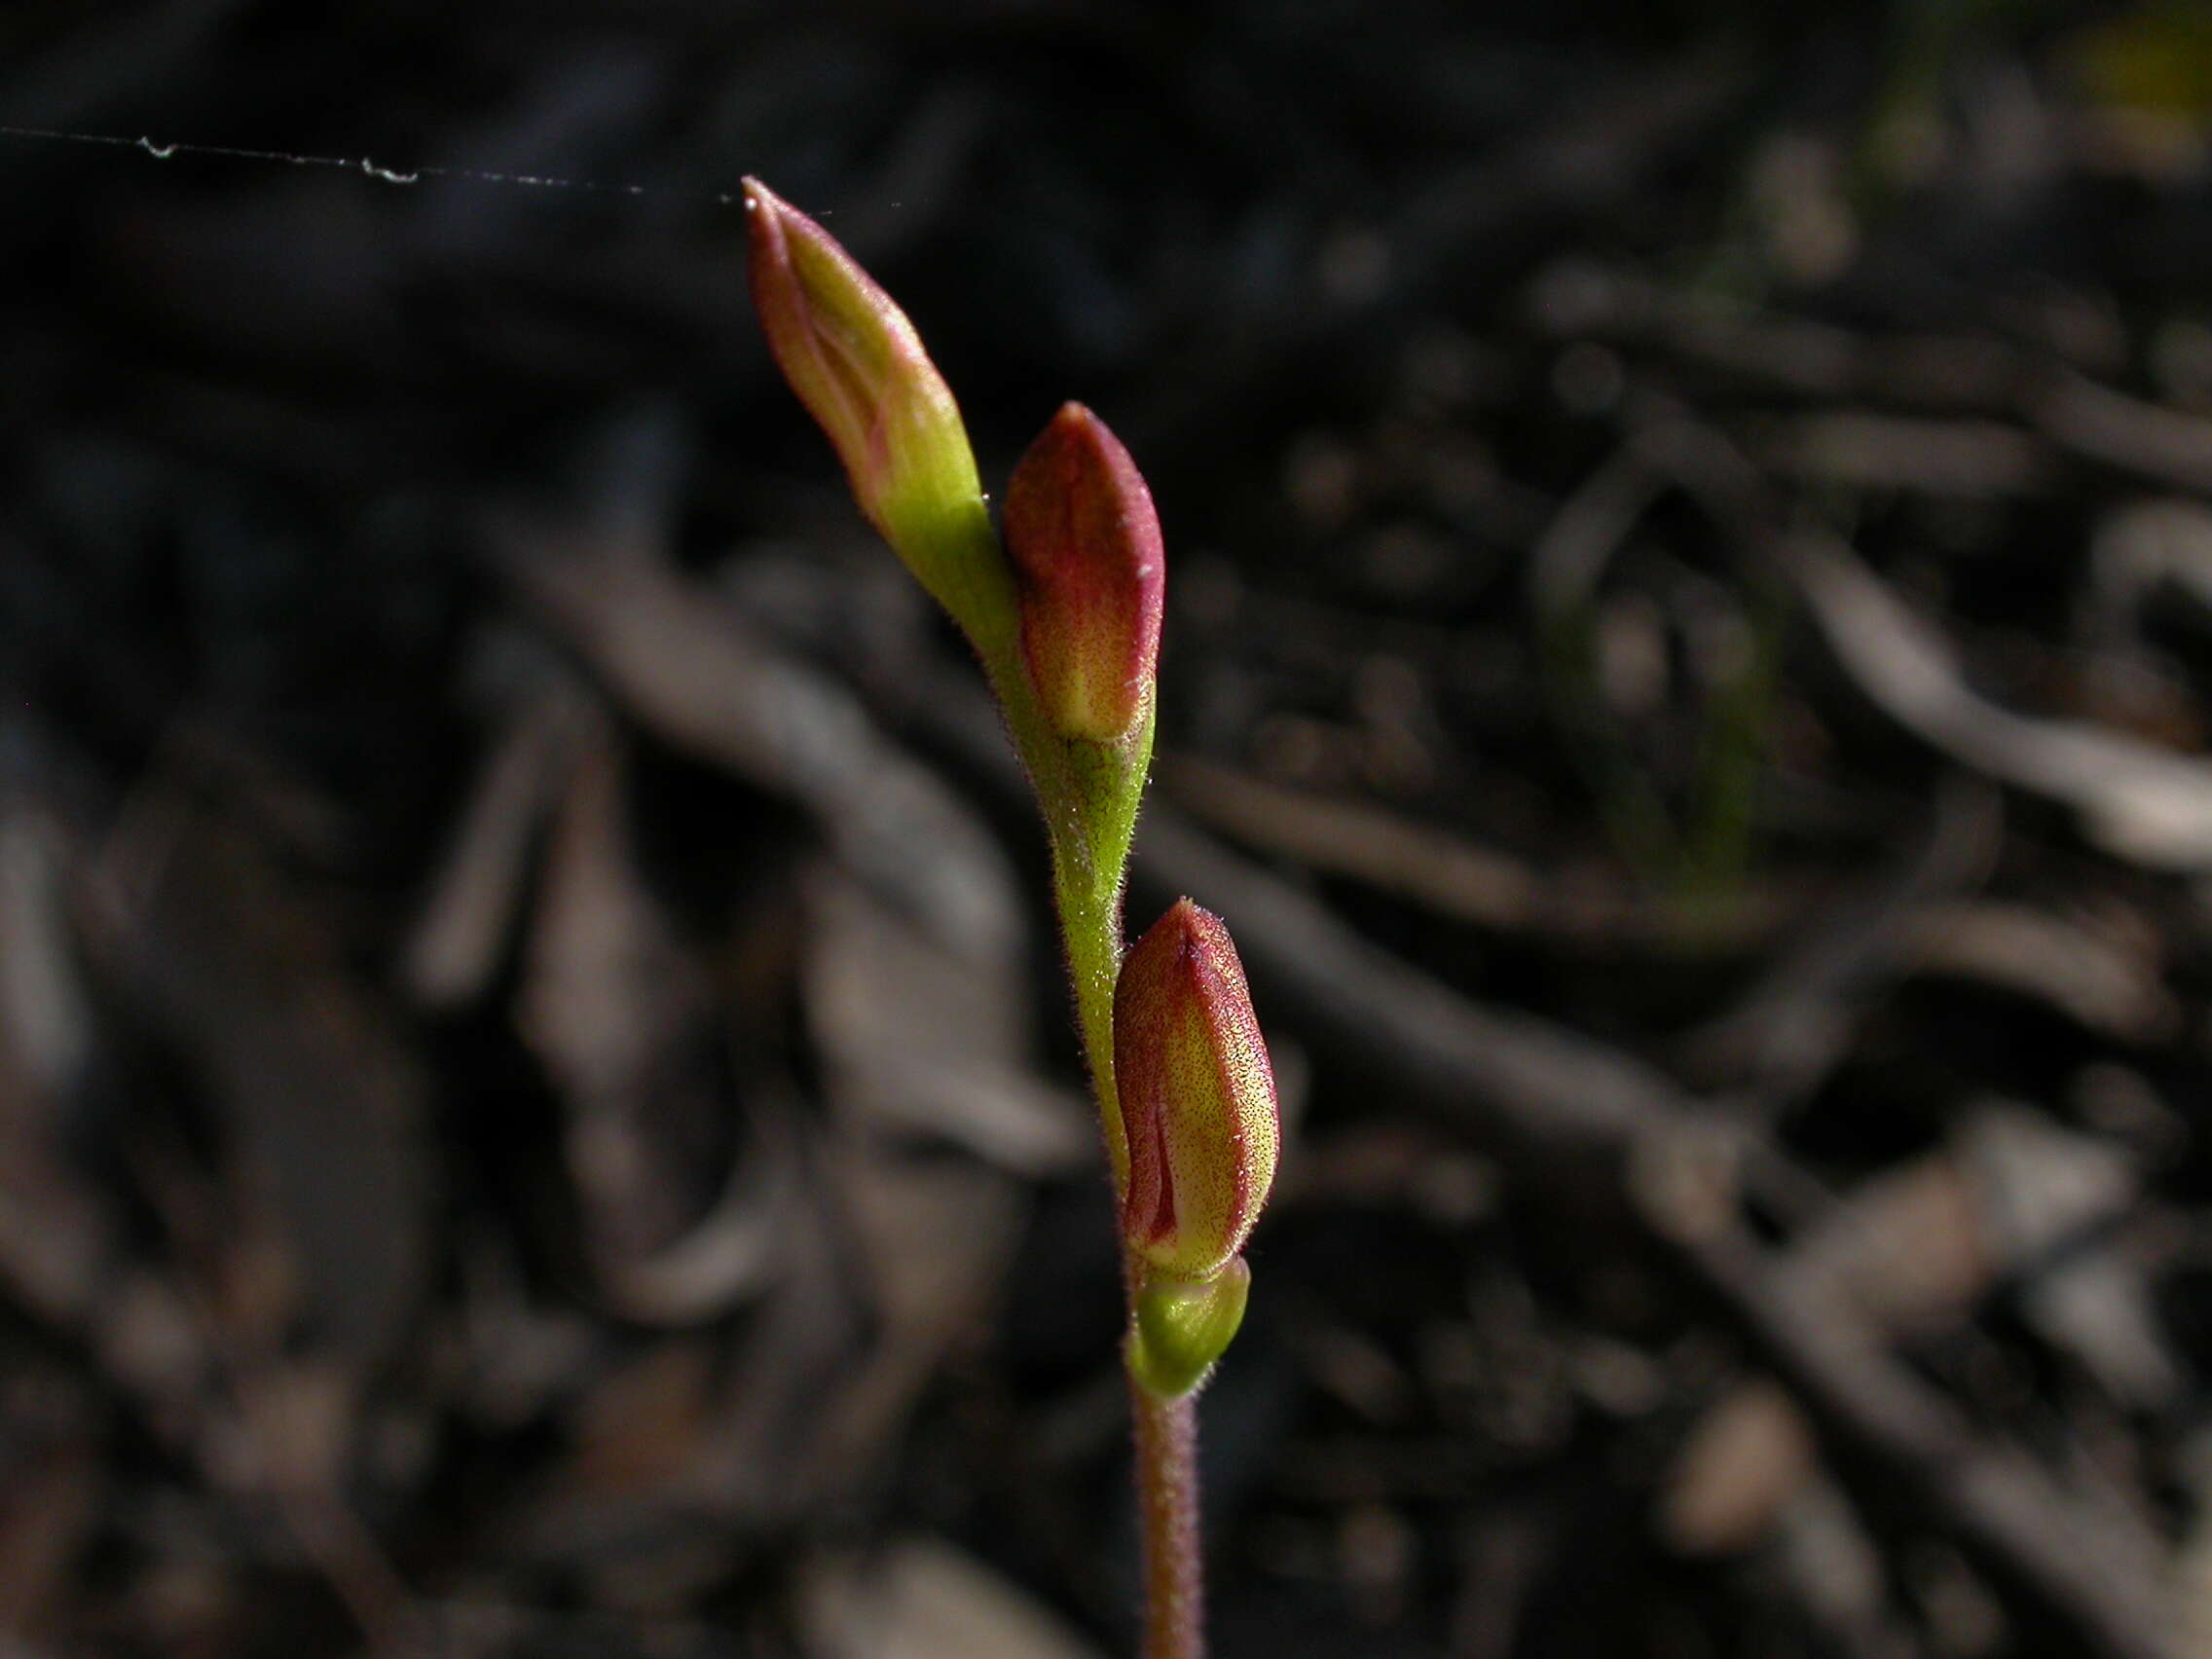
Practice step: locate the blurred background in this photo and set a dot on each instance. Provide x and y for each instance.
(538, 1114)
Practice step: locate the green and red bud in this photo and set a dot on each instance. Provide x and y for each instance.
(858, 365)
(1197, 1098)
(1091, 572)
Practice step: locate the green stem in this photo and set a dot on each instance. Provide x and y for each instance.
(1090, 925)
(1167, 1504)
(1089, 795)
(1165, 1428)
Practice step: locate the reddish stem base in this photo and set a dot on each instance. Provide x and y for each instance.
(1168, 1508)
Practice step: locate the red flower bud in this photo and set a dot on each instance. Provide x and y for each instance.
(858, 365)
(1197, 1097)
(1085, 541)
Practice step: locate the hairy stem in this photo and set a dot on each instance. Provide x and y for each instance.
(1168, 1509)
(1165, 1428)
(1090, 922)
(1089, 795)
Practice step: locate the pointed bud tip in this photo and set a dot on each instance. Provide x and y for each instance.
(769, 218)
(1085, 539)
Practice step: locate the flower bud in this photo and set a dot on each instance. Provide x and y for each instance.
(1197, 1097)
(858, 365)
(1085, 541)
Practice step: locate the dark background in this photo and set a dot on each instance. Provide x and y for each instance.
(537, 1111)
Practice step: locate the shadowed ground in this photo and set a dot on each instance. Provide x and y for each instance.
(537, 1111)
